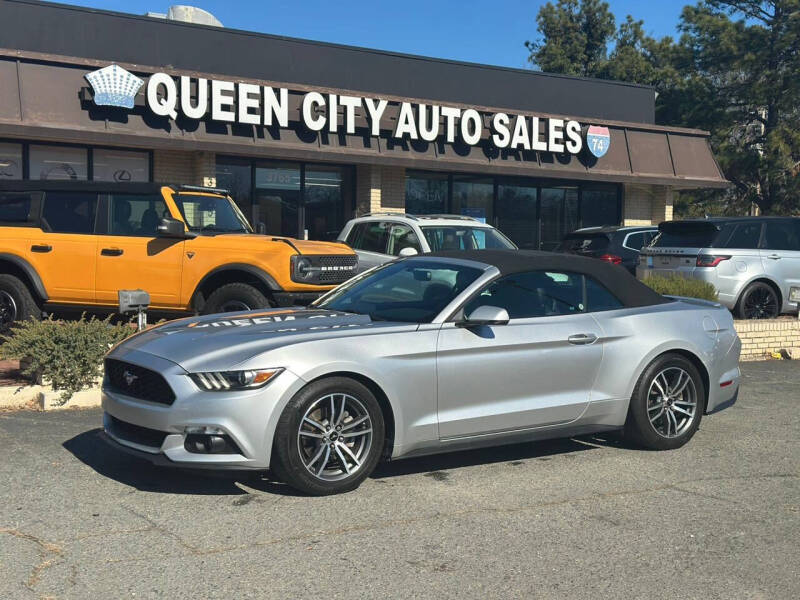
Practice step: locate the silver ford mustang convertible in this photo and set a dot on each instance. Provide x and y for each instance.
(422, 355)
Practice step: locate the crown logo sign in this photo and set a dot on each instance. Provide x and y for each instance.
(114, 86)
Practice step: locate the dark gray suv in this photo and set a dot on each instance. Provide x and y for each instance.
(753, 262)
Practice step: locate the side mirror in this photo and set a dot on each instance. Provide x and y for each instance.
(485, 315)
(171, 228)
(408, 251)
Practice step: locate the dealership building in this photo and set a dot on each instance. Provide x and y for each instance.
(306, 134)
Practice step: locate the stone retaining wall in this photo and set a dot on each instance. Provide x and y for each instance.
(762, 338)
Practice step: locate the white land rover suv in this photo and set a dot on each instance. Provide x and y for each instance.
(380, 237)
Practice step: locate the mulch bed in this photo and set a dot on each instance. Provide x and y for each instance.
(10, 373)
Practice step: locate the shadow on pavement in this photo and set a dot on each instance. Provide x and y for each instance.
(514, 453)
(109, 462)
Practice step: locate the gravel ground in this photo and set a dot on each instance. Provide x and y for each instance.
(579, 518)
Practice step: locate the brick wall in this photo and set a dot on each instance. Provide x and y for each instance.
(646, 204)
(761, 338)
(380, 189)
(190, 168)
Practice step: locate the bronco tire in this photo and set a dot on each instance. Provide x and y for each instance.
(16, 302)
(234, 297)
(329, 437)
(667, 404)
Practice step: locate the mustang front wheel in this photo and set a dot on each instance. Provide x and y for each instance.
(329, 437)
(667, 404)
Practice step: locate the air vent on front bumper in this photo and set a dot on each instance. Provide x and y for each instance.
(329, 269)
(138, 382)
(134, 434)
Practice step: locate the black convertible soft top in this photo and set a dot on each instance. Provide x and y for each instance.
(630, 291)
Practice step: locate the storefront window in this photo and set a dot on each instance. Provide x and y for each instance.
(120, 166)
(10, 161)
(559, 215)
(234, 175)
(517, 214)
(474, 197)
(277, 198)
(58, 163)
(426, 193)
(323, 201)
(599, 206)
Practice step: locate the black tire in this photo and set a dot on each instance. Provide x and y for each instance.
(651, 435)
(288, 462)
(233, 297)
(16, 302)
(758, 301)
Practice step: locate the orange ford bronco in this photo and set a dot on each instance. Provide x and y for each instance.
(191, 248)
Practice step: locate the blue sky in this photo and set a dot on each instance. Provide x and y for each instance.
(491, 32)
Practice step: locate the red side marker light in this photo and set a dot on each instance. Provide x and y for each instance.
(611, 258)
(726, 383)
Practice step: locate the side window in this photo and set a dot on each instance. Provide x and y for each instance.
(635, 241)
(69, 212)
(598, 298)
(782, 235)
(533, 294)
(745, 236)
(372, 236)
(402, 236)
(136, 215)
(15, 208)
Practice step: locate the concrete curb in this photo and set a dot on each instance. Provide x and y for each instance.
(43, 397)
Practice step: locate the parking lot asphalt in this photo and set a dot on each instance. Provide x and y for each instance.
(579, 518)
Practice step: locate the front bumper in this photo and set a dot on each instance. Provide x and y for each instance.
(157, 432)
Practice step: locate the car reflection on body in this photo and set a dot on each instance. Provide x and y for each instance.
(426, 354)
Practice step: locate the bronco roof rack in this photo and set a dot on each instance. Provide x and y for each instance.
(200, 188)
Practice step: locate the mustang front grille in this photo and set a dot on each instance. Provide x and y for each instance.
(138, 382)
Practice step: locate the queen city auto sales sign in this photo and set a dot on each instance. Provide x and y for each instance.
(251, 104)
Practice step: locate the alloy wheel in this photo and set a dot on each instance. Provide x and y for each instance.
(335, 437)
(8, 309)
(671, 402)
(761, 303)
(234, 306)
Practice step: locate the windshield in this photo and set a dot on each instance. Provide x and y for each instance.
(459, 237)
(687, 234)
(583, 244)
(412, 291)
(211, 214)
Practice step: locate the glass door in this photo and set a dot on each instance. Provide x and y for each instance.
(517, 214)
(323, 201)
(559, 215)
(278, 193)
(474, 197)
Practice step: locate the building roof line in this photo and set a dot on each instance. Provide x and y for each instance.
(390, 53)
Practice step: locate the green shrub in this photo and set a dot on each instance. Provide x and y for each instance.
(675, 285)
(66, 354)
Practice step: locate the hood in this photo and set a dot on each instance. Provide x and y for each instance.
(222, 341)
(248, 240)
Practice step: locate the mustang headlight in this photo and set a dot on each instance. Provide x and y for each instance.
(225, 381)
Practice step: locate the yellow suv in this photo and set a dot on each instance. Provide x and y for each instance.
(191, 248)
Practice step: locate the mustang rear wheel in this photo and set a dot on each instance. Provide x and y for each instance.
(667, 404)
(329, 437)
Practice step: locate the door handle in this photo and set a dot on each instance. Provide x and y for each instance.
(111, 251)
(582, 339)
(41, 248)
(774, 256)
